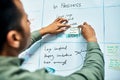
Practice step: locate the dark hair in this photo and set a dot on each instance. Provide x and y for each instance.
(10, 17)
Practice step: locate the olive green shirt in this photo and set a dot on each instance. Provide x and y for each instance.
(93, 68)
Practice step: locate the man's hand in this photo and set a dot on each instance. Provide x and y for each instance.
(88, 32)
(58, 26)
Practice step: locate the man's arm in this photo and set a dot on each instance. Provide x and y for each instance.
(93, 68)
(54, 28)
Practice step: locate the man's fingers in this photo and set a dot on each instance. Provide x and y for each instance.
(61, 30)
(57, 19)
(80, 26)
(85, 23)
(63, 25)
(64, 21)
(61, 20)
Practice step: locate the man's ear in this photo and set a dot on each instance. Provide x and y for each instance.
(14, 39)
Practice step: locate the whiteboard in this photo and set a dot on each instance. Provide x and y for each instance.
(65, 52)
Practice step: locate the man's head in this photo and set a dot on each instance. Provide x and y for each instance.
(14, 28)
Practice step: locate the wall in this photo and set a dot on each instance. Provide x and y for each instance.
(60, 51)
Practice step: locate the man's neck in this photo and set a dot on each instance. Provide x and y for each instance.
(9, 52)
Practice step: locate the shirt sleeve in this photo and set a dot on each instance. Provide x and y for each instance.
(35, 36)
(93, 67)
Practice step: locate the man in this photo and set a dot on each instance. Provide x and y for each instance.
(15, 37)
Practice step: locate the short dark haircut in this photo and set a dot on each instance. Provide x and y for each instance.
(10, 17)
